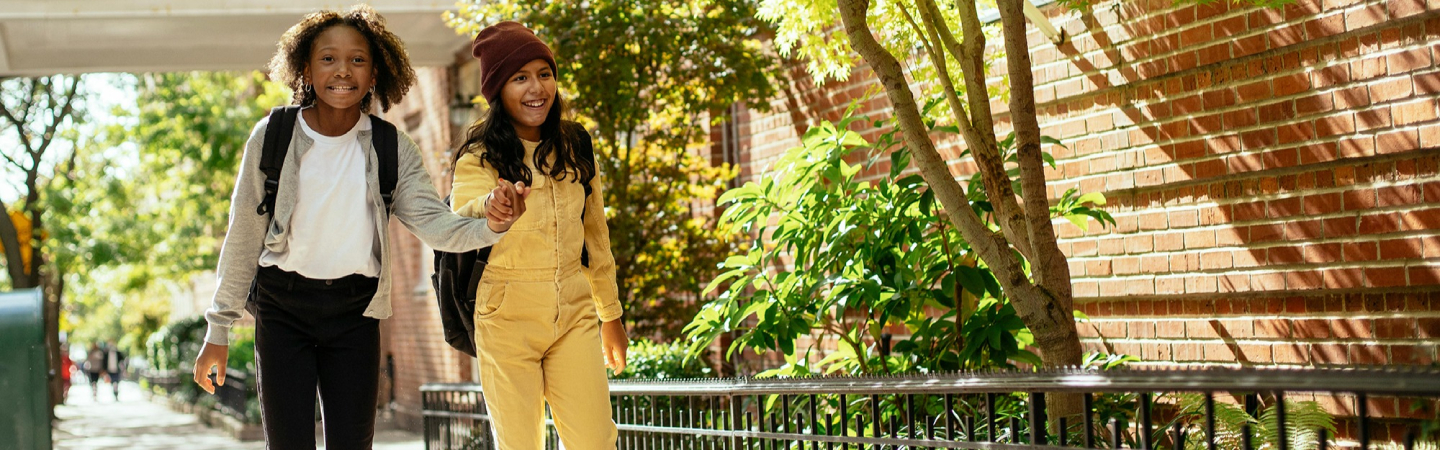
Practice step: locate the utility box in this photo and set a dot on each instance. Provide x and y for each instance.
(25, 416)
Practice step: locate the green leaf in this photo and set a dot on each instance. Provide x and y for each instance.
(1094, 197)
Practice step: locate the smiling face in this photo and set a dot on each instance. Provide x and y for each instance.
(340, 67)
(528, 97)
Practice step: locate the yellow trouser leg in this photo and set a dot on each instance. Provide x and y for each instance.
(510, 340)
(575, 382)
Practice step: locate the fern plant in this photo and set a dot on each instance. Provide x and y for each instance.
(1303, 420)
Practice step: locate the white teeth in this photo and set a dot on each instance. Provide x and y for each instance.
(534, 104)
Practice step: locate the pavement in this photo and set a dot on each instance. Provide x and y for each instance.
(133, 422)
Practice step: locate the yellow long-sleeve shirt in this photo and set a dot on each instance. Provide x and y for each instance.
(550, 234)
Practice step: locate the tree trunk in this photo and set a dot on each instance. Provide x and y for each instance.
(10, 239)
(1046, 311)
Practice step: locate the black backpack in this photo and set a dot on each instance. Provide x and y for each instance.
(277, 143)
(457, 275)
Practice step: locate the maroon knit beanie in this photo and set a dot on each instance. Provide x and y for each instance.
(504, 48)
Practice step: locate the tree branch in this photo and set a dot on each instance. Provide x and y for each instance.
(1051, 268)
(58, 116)
(979, 129)
(991, 247)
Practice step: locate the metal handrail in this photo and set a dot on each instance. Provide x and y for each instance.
(1410, 380)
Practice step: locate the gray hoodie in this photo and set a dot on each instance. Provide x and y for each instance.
(416, 205)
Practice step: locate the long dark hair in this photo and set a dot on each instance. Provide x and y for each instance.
(494, 137)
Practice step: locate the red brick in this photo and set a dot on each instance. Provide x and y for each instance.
(1380, 223)
(1385, 276)
(1358, 199)
(1290, 354)
(1330, 76)
(1312, 328)
(1291, 84)
(1424, 276)
(1408, 61)
(1412, 354)
(1277, 112)
(1272, 328)
(1312, 104)
(1339, 124)
(1295, 132)
(1317, 204)
(1355, 147)
(1367, 68)
(1125, 266)
(1325, 26)
(1253, 91)
(1329, 354)
(1401, 248)
(1170, 329)
(1304, 279)
(1405, 8)
(1427, 84)
(1299, 231)
(1285, 255)
(1344, 278)
(1360, 251)
(1388, 90)
(1186, 352)
(1201, 284)
(1427, 328)
(1324, 152)
(1368, 354)
(1397, 142)
(1215, 260)
(1371, 119)
(1201, 329)
(1413, 112)
(1364, 17)
(1267, 281)
(1235, 120)
(1403, 195)
(1169, 242)
(1395, 328)
(1351, 329)
(1266, 233)
(1425, 219)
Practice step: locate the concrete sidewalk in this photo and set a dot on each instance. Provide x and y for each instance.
(132, 422)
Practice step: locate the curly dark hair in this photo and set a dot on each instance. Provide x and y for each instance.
(393, 74)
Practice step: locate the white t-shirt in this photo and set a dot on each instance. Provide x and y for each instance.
(332, 231)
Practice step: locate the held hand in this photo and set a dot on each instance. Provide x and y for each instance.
(506, 205)
(211, 356)
(614, 341)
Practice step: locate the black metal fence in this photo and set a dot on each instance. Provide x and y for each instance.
(1174, 410)
(231, 398)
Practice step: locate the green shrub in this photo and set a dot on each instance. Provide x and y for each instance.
(649, 359)
(242, 349)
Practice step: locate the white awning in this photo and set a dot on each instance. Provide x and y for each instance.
(43, 37)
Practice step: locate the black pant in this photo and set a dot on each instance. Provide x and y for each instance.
(311, 333)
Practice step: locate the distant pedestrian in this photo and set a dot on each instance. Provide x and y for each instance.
(114, 362)
(94, 361)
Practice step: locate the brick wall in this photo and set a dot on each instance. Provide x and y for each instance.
(412, 337)
(1274, 175)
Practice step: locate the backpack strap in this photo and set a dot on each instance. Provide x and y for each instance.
(272, 153)
(386, 142)
(586, 150)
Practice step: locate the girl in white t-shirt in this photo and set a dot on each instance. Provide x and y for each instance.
(313, 268)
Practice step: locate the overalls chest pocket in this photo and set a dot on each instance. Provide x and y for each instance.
(539, 207)
(571, 200)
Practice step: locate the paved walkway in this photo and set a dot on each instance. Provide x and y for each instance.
(132, 422)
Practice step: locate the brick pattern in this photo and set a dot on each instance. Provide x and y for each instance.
(412, 336)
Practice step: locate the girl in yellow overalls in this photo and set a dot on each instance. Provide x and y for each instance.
(542, 319)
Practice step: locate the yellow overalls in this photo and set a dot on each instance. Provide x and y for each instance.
(536, 330)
